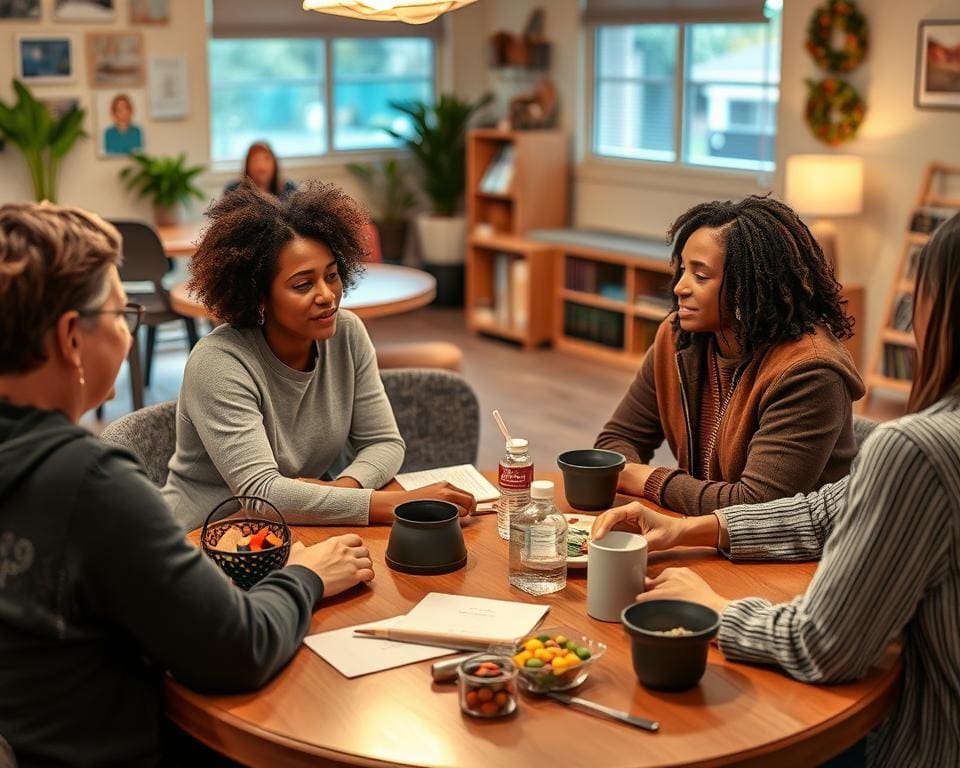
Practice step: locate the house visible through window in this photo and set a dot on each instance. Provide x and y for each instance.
(729, 78)
(276, 89)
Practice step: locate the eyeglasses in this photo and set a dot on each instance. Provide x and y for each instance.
(132, 313)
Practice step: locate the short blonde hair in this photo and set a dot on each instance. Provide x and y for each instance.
(52, 259)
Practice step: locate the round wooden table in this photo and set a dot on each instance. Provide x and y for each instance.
(382, 290)
(739, 714)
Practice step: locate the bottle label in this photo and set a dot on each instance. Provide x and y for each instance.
(541, 542)
(515, 478)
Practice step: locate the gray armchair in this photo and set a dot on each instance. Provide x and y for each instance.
(437, 413)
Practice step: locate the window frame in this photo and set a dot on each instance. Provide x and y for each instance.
(600, 164)
(331, 155)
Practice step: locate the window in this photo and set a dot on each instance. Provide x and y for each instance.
(277, 90)
(728, 80)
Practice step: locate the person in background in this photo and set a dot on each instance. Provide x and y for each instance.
(100, 592)
(284, 400)
(123, 137)
(747, 378)
(263, 169)
(889, 538)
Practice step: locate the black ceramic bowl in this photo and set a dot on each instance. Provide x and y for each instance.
(426, 538)
(590, 477)
(663, 661)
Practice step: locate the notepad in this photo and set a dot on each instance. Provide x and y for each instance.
(465, 476)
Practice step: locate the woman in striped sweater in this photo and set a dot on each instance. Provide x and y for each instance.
(889, 538)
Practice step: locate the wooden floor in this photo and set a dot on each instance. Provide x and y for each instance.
(558, 402)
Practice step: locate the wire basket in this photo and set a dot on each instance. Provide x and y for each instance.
(250, 514)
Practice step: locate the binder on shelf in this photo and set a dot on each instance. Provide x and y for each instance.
(501, 289)
(519, 285)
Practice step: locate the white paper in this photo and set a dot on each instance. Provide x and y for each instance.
(353, 656)
(465, 476)
(169, 96)
(472, 617)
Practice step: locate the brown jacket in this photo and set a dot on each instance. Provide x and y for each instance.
(787, 429)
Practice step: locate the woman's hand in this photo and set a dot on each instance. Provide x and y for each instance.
(661, 531)
(633, 478)
(383, 503)
(341, 562)
(682, 584)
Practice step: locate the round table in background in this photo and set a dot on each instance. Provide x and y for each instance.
(382, 290)
(739, 714)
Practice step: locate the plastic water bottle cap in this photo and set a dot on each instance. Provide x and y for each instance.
(517, 445)
(541, 489)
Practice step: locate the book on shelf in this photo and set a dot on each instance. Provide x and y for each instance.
(501, 289)
(498, 176)
(511, 282)
(925, 220)
(604, 280)
(600, 326)
(656, 301)
(903, 313)
(898, 362)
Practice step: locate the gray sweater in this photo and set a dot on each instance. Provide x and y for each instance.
(249, 425)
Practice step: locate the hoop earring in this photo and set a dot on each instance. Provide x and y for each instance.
(83, 381)
(260, 320)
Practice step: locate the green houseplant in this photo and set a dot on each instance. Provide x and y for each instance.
(392, 200)
(167, 181)
(42, 139)
(437, 140)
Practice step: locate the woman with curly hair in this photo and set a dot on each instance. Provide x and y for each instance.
(747, 379)
(284, 400)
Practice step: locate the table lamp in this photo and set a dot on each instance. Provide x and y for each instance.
(826, 187)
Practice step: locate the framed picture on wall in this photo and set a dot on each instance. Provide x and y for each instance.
(44, 58)
(19, 9)
(119, 119)
(58, 106)
(938, 65)
(83, 10)
(169, 98)
(115, 59)
(149, 11)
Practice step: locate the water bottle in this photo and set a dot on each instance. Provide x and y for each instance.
(513, 479)
(538, 544)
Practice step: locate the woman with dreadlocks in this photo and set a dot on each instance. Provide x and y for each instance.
(747, 379)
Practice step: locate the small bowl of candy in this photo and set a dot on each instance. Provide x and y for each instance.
(556, 659)
(247, 537)
(488, 685)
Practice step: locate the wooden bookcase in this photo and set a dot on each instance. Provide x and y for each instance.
(894, 351)
(516, 181)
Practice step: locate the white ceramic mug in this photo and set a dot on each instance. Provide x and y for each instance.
(616, 566)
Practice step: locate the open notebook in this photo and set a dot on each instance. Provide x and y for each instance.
(464, 476)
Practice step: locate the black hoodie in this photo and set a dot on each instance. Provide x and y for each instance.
(100, 592)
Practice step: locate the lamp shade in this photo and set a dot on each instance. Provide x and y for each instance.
(825, 185)
(409, 11)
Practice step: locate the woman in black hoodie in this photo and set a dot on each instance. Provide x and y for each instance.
(99, 590)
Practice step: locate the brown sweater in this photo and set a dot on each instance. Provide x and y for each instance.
(787, 428)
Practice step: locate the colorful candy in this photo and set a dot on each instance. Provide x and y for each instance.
(488, 686)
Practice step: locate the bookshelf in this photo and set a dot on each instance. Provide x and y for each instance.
(516, 181)
(894, 353)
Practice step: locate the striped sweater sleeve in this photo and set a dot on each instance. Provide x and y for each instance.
(876, 567)
(794, 528)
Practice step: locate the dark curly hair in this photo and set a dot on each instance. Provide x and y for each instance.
(775, 276)
(236, 259)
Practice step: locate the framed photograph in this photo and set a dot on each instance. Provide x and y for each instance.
(119, 119)
(19, 9)
(115, 59)
(149, 11)
(169, 98)
(45, 58)
(937, 83)
(58, 106)
(84, 10)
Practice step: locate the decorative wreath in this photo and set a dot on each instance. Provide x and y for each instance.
(842, 14)
(834, 110)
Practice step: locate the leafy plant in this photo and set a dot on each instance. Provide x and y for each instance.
(389, 193)
(439, 145)
(43, 139)
(165, 180)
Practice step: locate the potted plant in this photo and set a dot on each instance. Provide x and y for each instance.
(43, 139)
(167, 181)
(392, 199)
(438, 143)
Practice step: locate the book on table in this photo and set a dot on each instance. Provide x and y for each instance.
(466, 477)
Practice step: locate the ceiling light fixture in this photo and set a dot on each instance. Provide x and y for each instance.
(408, 11)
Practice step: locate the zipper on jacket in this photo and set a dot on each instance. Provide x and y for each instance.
(686, 409)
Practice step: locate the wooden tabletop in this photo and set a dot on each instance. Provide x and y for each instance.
(382, 290)
(738, 714)
(179, 240)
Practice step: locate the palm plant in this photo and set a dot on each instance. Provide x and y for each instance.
(167, 181)
(438, 142)
(389, 194)
(43, 139)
